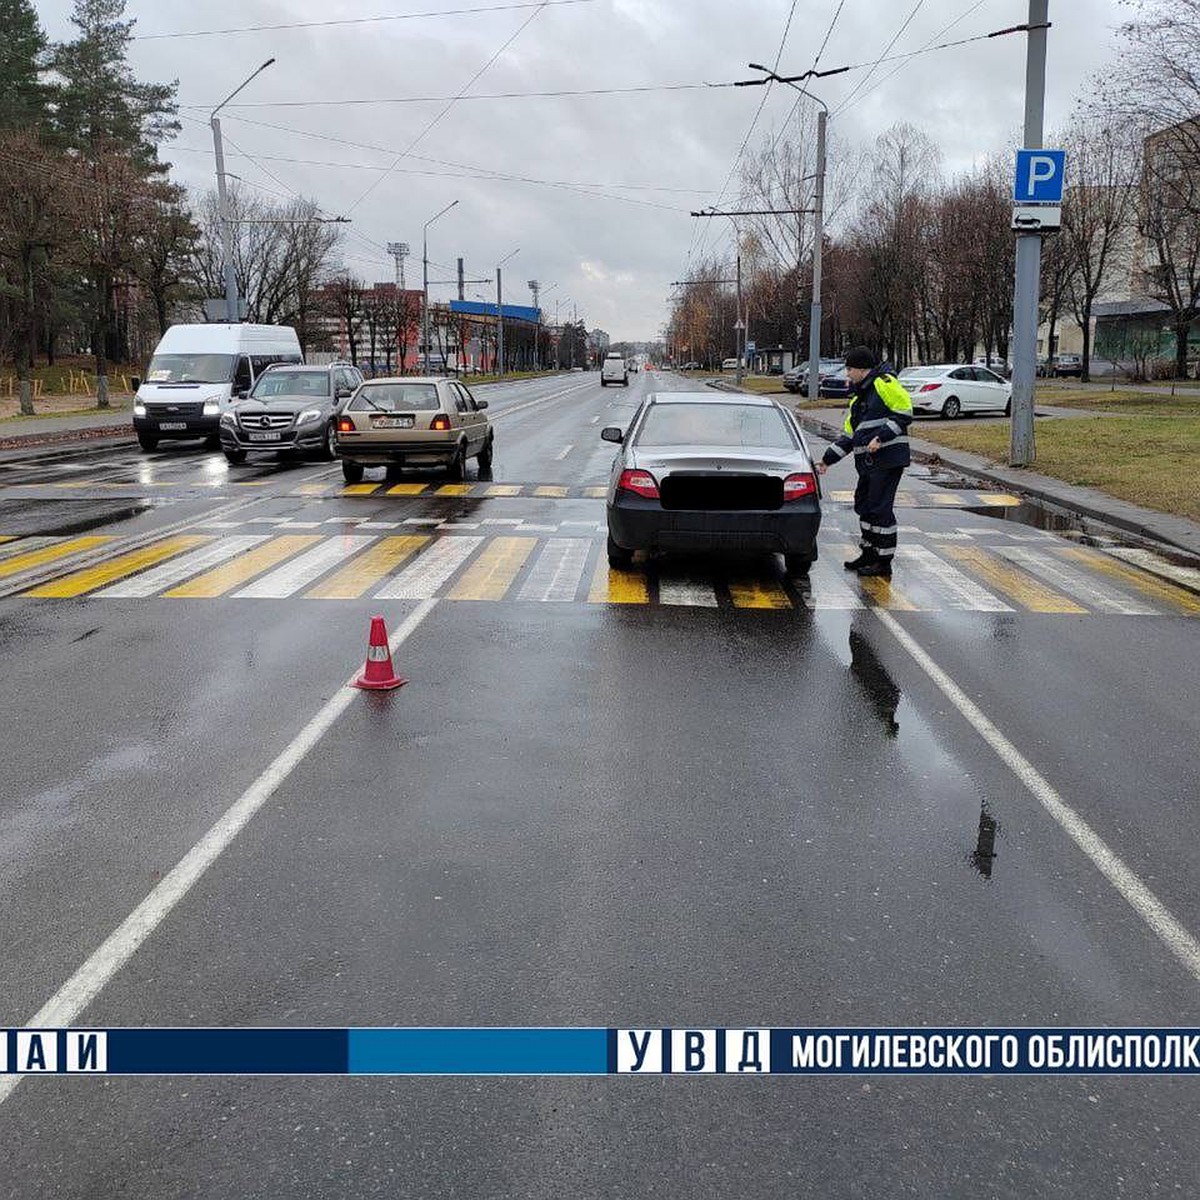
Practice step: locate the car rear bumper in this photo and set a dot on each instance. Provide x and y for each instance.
(637, 524)
(372, 451)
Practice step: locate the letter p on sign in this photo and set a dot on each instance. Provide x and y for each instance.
(1039, 177)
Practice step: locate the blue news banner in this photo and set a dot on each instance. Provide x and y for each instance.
(491, 1050)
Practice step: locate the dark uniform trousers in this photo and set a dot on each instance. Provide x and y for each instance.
(874, 501)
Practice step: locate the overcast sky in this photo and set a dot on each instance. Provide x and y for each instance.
(614, 240)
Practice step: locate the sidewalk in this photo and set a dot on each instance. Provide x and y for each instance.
(33, 432)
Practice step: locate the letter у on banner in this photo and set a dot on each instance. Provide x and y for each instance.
(639, 1051)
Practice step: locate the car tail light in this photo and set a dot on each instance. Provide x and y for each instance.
(640, 483)
(795, 487)
(441, 423)
(345, 425)
(931, 387)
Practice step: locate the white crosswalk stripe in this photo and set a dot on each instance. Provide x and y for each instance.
(1084, 587)
(306, 568)
(687, 591)
(948, 584)
(24, 545)
(827, 588)
(431, 571)
(184, 567)
(557, 570)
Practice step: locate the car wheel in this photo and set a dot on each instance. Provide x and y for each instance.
(352, 472)
(618, 556)
(456, 469)
(484, 457)
(951, 409)
(147, 442)
(797, 564)
(235, 456)
(328, 450)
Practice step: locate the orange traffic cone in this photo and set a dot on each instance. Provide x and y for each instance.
(379, 675)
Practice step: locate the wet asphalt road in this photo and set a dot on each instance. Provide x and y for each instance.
(610, 813)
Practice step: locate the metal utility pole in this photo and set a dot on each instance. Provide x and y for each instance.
(1029, 254)
(814, 320)
(425, 283)
(399, 251)
(500, 313)
(232, 307)
(535, 287)
(739, 326)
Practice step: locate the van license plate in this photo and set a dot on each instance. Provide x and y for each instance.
(264, 437)
(172, 424)
(392, 422)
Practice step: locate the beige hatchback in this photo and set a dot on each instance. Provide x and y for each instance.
(417, 422)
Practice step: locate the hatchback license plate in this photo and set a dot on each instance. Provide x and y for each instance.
(392, 422)
(264, 437)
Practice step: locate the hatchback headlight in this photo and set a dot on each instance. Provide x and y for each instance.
(211, 408)
(309, 414)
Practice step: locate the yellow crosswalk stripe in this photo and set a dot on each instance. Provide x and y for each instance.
(758, 593)
(610, 586)
(454, 489)
(1156, 589)
(491, 574)
(842, 496)
(947, 499)
(595, 493)
(503, 489)
(999, 499)
(313, 489)
(221, 579)
(368, 568)
(550, 490)
(886, 595)
(79, 582)
(1026, 590)
(360, 489)
(35, 558)
(406, 489)
(8, 537)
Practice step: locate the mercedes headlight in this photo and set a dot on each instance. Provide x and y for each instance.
(229, 418)
(309, 414)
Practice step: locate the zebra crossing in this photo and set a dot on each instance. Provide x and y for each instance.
(1047, 576)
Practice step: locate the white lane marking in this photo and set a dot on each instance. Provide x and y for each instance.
(556, 573)
(564, 451)
(1157, 565)
(1075, 583)
(422, 578)
(120, 946)
(179, 569)
(1140, 898)
(596, 419)
(24, 544)
(947, 582)
(694, 593)
(422, 520)
(827, 589)
(376, 524)
(516, 408)
(304, 569)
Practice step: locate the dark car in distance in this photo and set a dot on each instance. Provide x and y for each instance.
(290, 410)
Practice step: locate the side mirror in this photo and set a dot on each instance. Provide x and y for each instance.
(135, 381)
(342, 393)
(241, 393)
(612, 433)
(481, 404)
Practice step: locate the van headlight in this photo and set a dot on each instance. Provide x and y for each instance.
(139, 409)
(309, 414)
(211, 408)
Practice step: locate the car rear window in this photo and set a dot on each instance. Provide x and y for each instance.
(397, 397)
(732, 426)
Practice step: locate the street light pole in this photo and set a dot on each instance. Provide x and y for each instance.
(425, 283)
(1027, 283)
(232, 308)
(500, 314)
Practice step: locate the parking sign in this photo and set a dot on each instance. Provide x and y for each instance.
(1039, 176)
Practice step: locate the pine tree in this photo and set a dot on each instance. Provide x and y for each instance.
(23, 96)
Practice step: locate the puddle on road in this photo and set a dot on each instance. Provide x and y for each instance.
(65, 518)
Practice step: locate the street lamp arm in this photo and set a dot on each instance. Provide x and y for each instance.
(240, 86)
(440, 214)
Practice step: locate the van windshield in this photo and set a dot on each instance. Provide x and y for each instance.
(190, 368)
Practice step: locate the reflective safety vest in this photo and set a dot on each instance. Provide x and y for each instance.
(879, 408)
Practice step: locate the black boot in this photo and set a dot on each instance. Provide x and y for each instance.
(879, 567)
(865, 558)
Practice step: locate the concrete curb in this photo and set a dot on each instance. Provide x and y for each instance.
(65, 440)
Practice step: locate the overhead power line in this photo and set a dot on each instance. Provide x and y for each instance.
(895, 38)
(442, 12)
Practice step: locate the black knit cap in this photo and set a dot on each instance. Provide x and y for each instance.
(862, 357)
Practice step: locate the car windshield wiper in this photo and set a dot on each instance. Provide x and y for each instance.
(376, 407)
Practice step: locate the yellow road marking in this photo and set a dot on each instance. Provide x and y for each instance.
(360, 489)
(454, 489)
(239, 483)
(758, 593)
(595, 493)
(8, 537)
(947, 499)
(999, 499)
(406, 489)
(885, 595)
(842, 496)
(220, 579)
(550, 490)
(79, 582)
(1004, 577)
(504, 489)
(35, 558)
(906, 500)
(313, 489)
(368, 568)
(610, 586)
(1157, 589)
(491, 574)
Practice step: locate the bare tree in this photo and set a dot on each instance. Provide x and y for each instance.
(345, 302)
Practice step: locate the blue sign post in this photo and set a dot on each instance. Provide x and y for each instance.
(1039, 178)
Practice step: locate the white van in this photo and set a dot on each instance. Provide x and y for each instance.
(613, 370)
(198, 371)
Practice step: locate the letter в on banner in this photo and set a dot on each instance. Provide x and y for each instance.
(693, 1051)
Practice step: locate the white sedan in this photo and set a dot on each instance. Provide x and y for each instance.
(953, 389)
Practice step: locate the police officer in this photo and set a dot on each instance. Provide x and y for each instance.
(876, 432)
